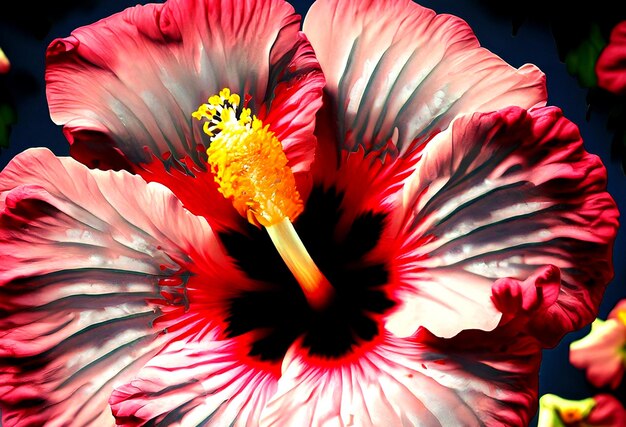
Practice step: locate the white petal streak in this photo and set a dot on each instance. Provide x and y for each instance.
(500, 195)
(399, 68)
(399, 383)
(196, 383)
(91, 262)
(134, 78)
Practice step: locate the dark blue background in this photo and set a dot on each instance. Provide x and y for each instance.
(25, 45)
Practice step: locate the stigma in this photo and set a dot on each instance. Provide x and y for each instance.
(251, 170)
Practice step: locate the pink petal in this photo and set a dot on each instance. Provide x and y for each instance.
(5, 64)
(524, 303)
(397, 72)
(504, 195)
(93, 274)
(611, 64)
(132, 80)
(608, 411)
(397, 382)
(539, 291)
(197, 382)
(600, 353)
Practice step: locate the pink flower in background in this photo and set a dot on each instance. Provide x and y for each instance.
(611, 65)
(376, 223)
(5, 64)
(601, 352)
(602, 410)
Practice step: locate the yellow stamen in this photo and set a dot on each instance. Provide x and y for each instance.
(248, 162)
(251, 169)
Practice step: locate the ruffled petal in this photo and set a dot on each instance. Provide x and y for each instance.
(92, 284)
(398, 73)
(509, 194)
(202, 381)
(132, 80)
(611, 64)
(398, 382)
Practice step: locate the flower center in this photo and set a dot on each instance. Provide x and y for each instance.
(571, 415)
(251, 169)
(271, 317)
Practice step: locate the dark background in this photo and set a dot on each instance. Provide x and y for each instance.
(535, 32)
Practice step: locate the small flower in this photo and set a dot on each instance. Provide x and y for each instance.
(377, 223)
(601, 352)
(5, 65)
(7, 110)
(602, 410)
(611, 65)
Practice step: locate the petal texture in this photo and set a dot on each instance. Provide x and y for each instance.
(196, 382)
(92, 276)
(399, 73)
(505, 196)
(132, 80)
(400, 383)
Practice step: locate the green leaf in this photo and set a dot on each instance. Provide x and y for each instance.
(8, 117)
(581, 61)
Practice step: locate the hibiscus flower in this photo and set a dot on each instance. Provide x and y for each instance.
(611, 65)
(601, 352)
(598, 411)
(5, 64)
(376, 223)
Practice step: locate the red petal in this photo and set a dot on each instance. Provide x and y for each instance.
(611, 64)
(195, 187)
(501, 195)
(92, 275)
(192, 382)
(608, 411)
(132, 80)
